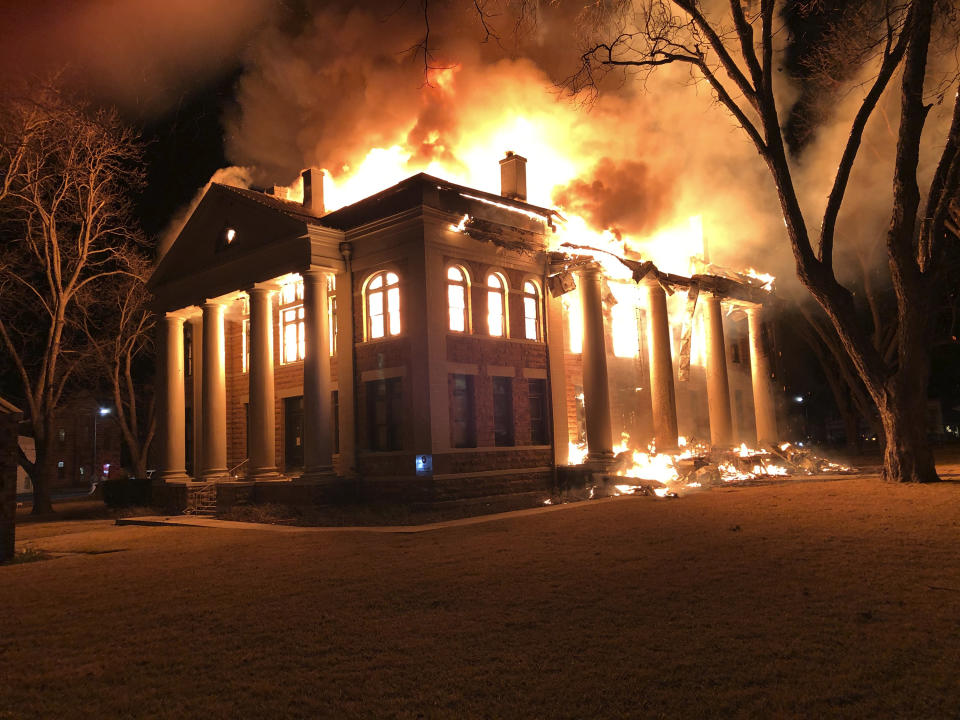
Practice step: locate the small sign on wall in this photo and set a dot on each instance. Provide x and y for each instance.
(424, 464)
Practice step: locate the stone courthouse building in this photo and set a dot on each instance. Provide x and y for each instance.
(409, 344)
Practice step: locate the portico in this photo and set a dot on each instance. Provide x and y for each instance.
(215, 276)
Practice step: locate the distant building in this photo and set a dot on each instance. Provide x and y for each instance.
(86, 444)
(412, 340)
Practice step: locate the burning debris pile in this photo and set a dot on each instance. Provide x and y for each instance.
(698, 465)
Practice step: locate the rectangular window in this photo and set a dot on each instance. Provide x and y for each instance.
(503, 411)
(293, 340)
(463, 423)
(581, 414)
(539, 426)
(332, 312)
(335, 404)
(245, 342)
(385, 414)
(188, 351)
(293, 432)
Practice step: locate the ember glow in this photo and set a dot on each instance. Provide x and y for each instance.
(697, 466)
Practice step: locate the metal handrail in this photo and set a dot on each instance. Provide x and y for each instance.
(233, 470)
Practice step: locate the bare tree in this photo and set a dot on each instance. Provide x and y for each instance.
(65, 173)
(739, 65)
(118, 324)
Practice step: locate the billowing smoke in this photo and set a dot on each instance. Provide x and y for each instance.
(322, 85)
(637, 157)
(622, 196)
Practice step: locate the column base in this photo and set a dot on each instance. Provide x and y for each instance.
(215, 476)
(169, 476)
(601, 460)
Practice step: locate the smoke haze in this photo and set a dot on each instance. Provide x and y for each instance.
(322, 85)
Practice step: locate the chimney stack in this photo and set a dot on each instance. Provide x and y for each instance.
(313, 191)
(513, 176)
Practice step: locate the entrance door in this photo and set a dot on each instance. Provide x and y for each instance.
(293, 432)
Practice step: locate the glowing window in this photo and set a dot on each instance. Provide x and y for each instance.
(245, 356)
(245, 333)
(332, 312)
(531, 311)
(496, 305)
(293, 341)
(457, 299)
(383, 305)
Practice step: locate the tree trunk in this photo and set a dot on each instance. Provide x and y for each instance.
(907, 456)
(42, 480)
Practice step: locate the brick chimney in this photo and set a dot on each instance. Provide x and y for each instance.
(513, 176)
(313, 191)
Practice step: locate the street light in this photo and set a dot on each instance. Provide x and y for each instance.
(101, 412)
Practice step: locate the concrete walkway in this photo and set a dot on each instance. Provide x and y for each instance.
(209, 522)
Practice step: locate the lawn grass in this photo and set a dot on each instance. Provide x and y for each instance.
(817, 599)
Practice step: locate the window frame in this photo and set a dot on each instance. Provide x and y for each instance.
(389, 313)
(504, 293)
(504, 412)
(537, 304)
(465, 284)
(332, 312)
(296, 306)
(384, 434)
(244, 334)
(539, 401)
(463, 430)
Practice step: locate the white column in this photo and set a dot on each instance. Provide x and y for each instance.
(345, 369)
(262, 417)
(196, 331)
(213, 465)
(596, 390)
(554, 325)
(763, 404)
(718, 386)
(663, 398)
(317, 410)
(173, 422)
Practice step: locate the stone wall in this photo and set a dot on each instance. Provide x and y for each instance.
(8, 483)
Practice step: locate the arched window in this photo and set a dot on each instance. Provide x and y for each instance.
(496, 305)
(531, 311)
(457, 299)
(383, 305)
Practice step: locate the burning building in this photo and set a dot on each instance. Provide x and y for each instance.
(434, 341)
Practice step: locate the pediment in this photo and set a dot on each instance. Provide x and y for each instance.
(224, 229)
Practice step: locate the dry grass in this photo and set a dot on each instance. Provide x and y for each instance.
(837, 599)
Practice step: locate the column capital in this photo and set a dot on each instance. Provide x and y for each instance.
(317, 274)
(261, 289)
(184, 313)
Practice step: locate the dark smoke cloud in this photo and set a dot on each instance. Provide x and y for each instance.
(622, 196)
(140, 55)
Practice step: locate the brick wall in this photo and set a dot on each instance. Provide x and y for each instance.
(288, 382)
